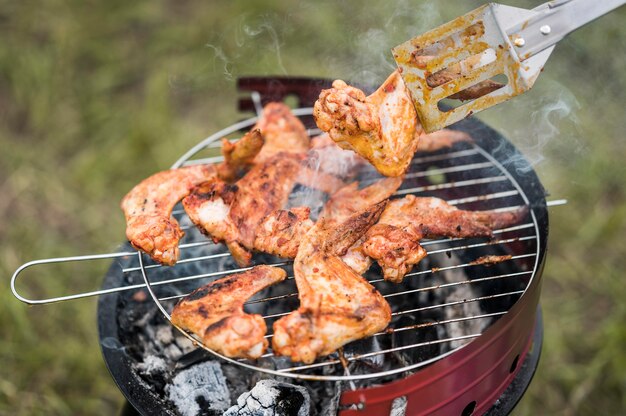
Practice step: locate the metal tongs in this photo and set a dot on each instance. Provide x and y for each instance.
(467, 53)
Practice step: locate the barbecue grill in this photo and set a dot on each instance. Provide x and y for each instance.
(465, 336)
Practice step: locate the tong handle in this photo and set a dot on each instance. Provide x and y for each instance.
(555, 20)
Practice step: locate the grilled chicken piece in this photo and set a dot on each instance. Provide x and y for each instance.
(215, 313)
(282, 131)
(331, 159)
(239, 156)
(441, 139)
(233, 214)
(337, 305)
(382, 127)
(350, 199)
(394, 241)
(148, 209)
(280, 232)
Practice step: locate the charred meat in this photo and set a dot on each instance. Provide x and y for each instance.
(215, 313)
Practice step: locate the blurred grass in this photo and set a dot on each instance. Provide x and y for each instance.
(95, 96)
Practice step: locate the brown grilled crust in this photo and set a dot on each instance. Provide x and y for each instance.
(239, 156)
(394, 241)
(215, 312)
(148, 208)
(337, 305)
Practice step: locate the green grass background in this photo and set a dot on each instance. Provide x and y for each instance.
(95, 96)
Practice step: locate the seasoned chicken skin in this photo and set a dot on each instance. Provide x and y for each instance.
(336, 304)
(350, 200)
(148, 206)
(148, 209)
(394, 241)
(282, 132)
(382, 127)
(281, 231)
(215, 313)
(233, 214)
(239, 156)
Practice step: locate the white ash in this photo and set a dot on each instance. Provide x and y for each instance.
(272, 398)
(465, 309)
(152, 365)
(164, 334)
(200, 389)
(331, 399)
(398, 406)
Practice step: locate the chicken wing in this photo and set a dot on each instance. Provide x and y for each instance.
(215, 313)
(282, 131)
(239, 156)
(382, 127)
(337, 305)
(281, 231)
(350, 199)
(394, 241)
(233, 214)
(148, 208)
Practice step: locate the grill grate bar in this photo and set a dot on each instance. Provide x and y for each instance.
(482, 197)
(447, 185)
(458, 266)
(450, 185)
(458, 302)
(424, 243)
(204, 275)
(494, 195)
(451, 202)
(462, 282)
(374, 353)
(441, 305)
(451, 169)
(390, 330)
(415, 161)
(488, 243)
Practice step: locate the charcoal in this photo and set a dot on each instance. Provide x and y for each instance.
(269, 398)
(199, 390)
(329, 402)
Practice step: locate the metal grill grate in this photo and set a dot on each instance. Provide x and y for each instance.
(469, 178)
(466, 176)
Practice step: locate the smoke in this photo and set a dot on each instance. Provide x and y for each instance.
(370, 60)
(550, 123)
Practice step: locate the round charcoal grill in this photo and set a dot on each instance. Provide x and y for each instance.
(459, 328)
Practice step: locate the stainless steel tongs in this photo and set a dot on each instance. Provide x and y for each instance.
(467, 53)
